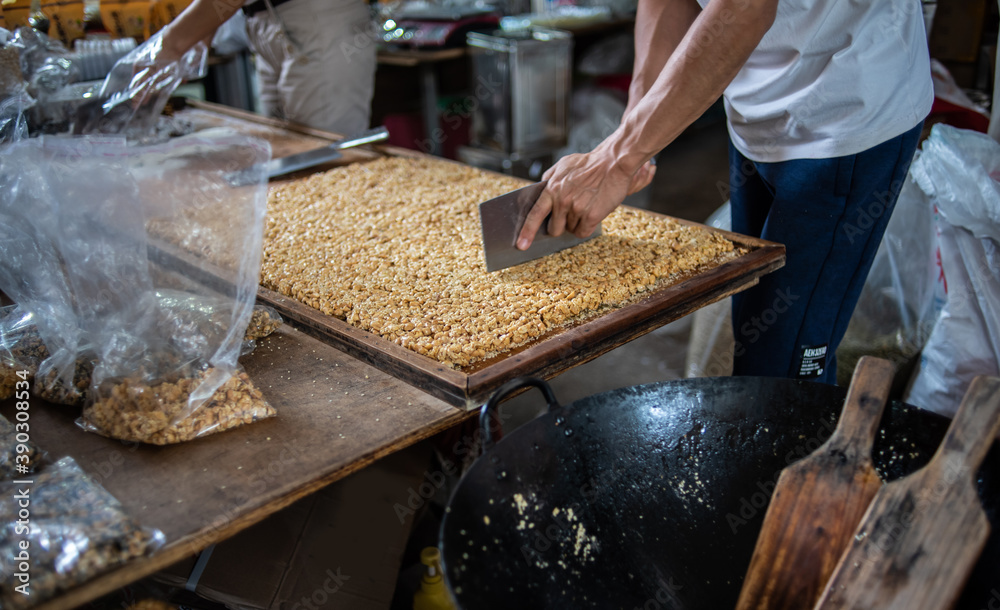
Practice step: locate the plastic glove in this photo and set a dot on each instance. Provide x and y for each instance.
(134, 93)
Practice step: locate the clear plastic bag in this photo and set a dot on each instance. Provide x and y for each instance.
(902, 295)
(48, 85)
(102, 216)
(11, 78)
(959, 171)
(66, 383)
(23, 355)
(711, 344)
(264, 321)
(45, 63)
(19, 457)
(77, 530)
(21, 348)
(13, 121)
(132, 97)
(14, 98)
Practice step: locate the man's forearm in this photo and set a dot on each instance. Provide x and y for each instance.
(697, 72)
(197, 22)
(660, 26)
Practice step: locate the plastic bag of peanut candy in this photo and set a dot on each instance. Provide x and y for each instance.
(24, 359)
(76, 531)
(112, 212)
(19, 456)
(24, 356)
(21, 349)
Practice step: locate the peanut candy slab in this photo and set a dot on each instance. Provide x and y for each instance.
(394, 247)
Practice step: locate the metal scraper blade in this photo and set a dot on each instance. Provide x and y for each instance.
(502, 218)
(310, 158)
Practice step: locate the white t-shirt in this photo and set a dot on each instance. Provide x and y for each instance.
(831, 78)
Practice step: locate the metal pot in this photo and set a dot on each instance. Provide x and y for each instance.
(652, 496)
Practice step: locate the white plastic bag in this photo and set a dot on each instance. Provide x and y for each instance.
(959, 171)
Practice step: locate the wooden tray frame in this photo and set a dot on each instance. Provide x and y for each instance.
(553, 353)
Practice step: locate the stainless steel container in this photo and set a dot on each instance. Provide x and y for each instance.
(521, 84)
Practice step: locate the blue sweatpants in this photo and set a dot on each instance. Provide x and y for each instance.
(830, 214)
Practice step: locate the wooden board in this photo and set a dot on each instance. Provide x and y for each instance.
(553, 353)
(924, 533)
(818, 502)
(335, 416)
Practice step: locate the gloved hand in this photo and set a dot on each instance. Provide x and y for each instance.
(133, 95)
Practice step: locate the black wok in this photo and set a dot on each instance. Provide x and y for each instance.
(652, 496)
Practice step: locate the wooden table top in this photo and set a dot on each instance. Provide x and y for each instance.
(335, 416)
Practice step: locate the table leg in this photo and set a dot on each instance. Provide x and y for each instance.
(432, 130)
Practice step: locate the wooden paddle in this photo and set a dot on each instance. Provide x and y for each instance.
(818, 502)
(920, 539)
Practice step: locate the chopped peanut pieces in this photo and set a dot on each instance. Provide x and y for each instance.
(394, 247)
(156, 414)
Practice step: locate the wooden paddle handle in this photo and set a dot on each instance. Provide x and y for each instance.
(922, 535)
(862, 412)
(972, 432)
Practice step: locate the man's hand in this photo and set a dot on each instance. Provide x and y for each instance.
(582, 190)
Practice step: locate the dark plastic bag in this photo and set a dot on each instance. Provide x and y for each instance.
(19, 456)
(77, 530)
